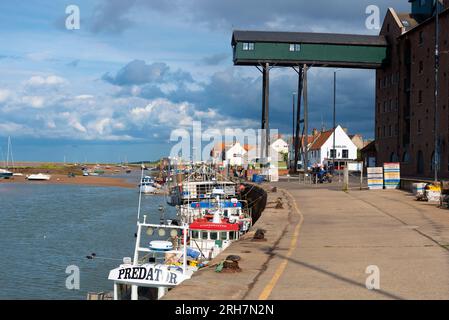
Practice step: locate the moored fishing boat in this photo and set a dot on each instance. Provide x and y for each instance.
(157, 267)
(147, 185)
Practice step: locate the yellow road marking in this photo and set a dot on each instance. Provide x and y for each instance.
(280, 270)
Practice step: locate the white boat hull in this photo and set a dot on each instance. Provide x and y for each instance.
(148, 189)
(149, 275)
(39, 177)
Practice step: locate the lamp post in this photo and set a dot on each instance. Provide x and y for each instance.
(437, 83)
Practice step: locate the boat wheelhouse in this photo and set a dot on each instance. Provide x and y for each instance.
(199, 183)
(211, 238)
(232, 209)
(188, 191)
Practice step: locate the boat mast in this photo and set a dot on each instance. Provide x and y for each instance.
(140, 193)
(7, 154)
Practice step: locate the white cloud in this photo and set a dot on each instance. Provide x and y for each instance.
(39, 56)
(72, 121)
(4, 95)
(164, 112)
(34, 101)
(84, 97)
(102, 126)
(52, 80)
(13, 128)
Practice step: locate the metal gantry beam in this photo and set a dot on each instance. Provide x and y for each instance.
(302, 94)
(265, 124)
(298, 139)
(306, 119)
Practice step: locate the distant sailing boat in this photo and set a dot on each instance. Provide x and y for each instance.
(5, 173)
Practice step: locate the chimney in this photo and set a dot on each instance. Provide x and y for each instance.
(314, 132)
(345, 130)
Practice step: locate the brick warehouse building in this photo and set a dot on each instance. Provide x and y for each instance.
(405, 91)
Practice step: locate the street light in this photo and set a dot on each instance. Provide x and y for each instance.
(437, 83)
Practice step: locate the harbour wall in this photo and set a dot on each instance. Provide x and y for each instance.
(256, 198)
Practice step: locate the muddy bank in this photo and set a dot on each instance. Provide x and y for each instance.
(77, 180)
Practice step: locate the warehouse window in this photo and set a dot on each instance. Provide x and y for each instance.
(421, 38)
(248, 46)
(434, 159)
(405, 157)
(394, 157)
(420, 96)
(294, 47)
(420, 162)
(421, 67)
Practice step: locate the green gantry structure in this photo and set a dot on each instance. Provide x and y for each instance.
(317, 49)
(301, 50)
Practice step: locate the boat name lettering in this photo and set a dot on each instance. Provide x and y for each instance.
(142, 273)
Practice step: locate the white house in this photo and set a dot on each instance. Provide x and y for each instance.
(280, 146)
(232, 154)
(321, 151)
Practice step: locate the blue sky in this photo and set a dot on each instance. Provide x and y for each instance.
(138, 69)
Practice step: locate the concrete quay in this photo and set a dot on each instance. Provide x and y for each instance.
(320, 245)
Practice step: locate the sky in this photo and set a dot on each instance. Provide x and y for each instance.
(117, 87)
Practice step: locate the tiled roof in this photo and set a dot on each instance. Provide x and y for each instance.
(322, 138)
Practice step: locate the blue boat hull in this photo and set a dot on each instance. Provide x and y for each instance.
(5, 175)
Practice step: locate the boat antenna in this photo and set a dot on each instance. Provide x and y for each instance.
(140, 192)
